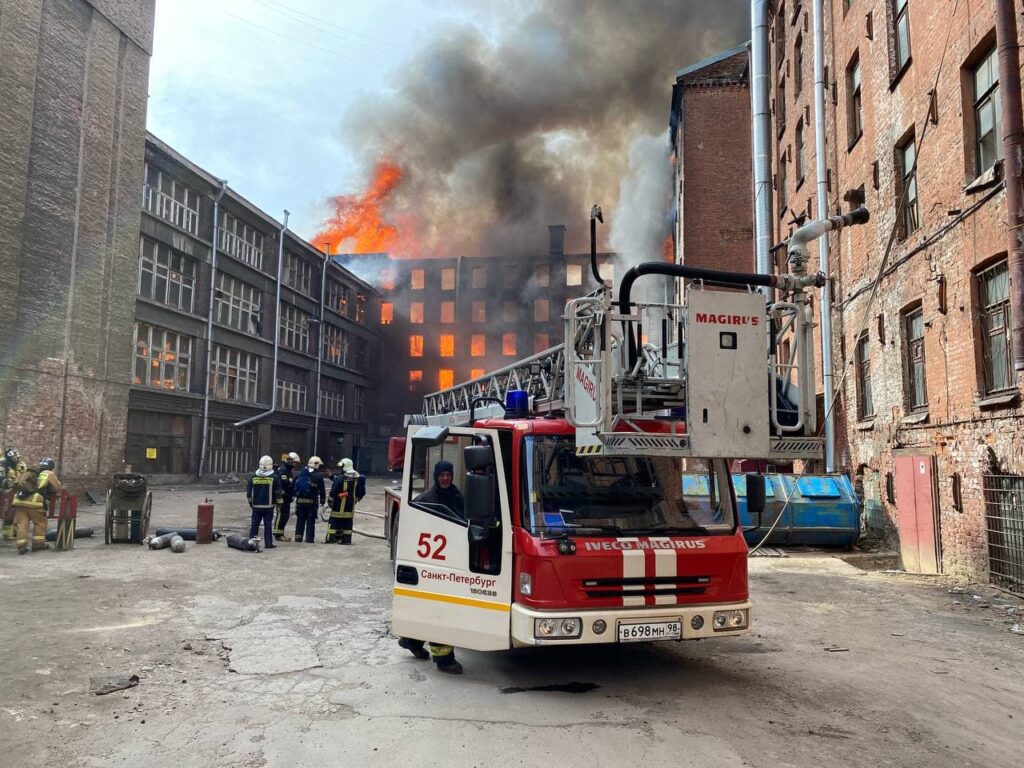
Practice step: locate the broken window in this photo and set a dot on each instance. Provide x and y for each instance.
(416, 313)
(448, 279)
(479, 311)
(477, 345)
(447, 311)
(415, 380)
(445, 378)
(508, 344)
(416, 279)
(415, 346)
(162, 358)
(166, 276)
(387, 312)
(447, 345)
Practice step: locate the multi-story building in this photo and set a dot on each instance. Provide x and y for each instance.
(451, 320)
(929, 410)
(73, 83)
(206, 370)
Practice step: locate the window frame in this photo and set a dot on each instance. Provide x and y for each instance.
(240, 372)
(865, 391)
(987, 383)
(900, 14)
(294, 328)
(914, 359)
(910, 215)
(854, 102)
(174, 269)
(179, 365)
(234, 301)
(990, 98)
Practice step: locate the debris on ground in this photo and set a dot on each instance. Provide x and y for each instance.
(1017, 629)
(104, 685)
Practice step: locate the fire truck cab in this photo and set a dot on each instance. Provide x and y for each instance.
(594, 500)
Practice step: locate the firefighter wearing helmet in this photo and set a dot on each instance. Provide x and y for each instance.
(264, 494)
(288, 465)
(348, 488)
(13, 469)
(309, 494)
(30, 502)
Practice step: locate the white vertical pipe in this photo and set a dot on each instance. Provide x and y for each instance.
(760, 14)
(823, 256)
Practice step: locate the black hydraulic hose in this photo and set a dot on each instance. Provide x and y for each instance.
(593, 250)
(717, 276)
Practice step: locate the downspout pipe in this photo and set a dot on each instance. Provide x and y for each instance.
(760, 15)
(277, 327)
(320, 349)
(821, 174)
(209, 326)
(1013, 165)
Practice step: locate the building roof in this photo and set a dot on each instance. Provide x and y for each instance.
(723, 68)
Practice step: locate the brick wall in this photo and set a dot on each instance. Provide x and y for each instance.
(74, 90)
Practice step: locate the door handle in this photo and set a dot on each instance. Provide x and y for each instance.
(406, 574)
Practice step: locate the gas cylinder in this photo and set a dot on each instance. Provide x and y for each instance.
(204, 522)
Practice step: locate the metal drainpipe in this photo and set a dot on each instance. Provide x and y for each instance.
(320, 349)
(760, 14)
(209, 328)
(1013, 165)
(823, 255)
(277, 327)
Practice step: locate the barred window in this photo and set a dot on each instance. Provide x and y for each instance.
(291, 396)
(994, 310)
(294, 328)
(297, 273)
(234, 375)
(164, 196)
(337, 297)
(163, 359)
(238, 239)
(232, 449)
(166, 276)
(335, 345)
(332, 400)
(237, 304)
(865, 401)
(914, 370)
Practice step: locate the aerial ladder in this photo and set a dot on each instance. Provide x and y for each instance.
(720, 374)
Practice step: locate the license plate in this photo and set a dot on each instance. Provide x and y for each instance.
(650, 630)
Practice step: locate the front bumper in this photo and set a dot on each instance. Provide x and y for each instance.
(523, 622)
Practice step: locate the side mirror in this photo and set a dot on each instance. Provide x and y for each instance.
(755, 496)
(428, 437)
(480, 491)
(477, 457)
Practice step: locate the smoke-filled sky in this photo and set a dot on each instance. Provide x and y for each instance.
(502, 117)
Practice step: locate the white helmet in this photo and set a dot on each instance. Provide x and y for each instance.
(293, 457)
(266, 462)
(315, 462)
(346, 464)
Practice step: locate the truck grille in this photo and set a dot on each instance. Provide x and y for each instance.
(640, 586)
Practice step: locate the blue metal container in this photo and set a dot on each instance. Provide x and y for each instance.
(815, 510)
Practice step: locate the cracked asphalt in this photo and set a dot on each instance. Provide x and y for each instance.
(284, 658)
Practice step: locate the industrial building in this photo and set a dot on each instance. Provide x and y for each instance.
(247, 339)
(448, 320)
(928, 416)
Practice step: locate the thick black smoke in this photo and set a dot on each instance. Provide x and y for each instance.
(499, 138)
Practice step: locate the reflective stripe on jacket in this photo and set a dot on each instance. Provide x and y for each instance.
(46, 486)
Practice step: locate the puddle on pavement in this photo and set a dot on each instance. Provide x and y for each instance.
(559, 688)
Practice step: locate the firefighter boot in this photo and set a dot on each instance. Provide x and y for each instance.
(415, 647)
(36, 545)
(444, 658)
(450, 667)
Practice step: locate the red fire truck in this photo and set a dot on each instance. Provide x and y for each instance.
(595, 500)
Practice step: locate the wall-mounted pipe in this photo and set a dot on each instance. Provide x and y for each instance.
(320, 348)
(1013, 165)
(760, 16)
(205, 439)
(823, 255)
(277, 327)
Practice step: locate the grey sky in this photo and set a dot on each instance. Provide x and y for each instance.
(506, 115)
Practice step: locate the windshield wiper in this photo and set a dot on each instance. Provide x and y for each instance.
(673, 531)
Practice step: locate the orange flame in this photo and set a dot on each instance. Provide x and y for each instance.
(362, 224)
(668, 249)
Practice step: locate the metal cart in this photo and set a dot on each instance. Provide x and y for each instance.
(129, 505)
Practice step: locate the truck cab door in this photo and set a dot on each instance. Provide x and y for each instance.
(453, 567)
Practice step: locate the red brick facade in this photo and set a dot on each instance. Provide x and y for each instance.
(971, 426)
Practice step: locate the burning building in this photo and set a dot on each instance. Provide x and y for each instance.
(447, 320)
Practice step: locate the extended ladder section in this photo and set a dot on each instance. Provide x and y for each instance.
(719, 375)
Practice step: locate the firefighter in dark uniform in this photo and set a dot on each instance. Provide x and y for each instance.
(443, 491)
(309, 494)
(264, 495)
(348, 488)
(13, 468)
(284, 510)
(30, 508)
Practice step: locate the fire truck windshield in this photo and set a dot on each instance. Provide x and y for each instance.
(620, 496)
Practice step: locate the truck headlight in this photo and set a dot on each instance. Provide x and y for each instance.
(568, 628)
(727, 620)
(525, 584)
